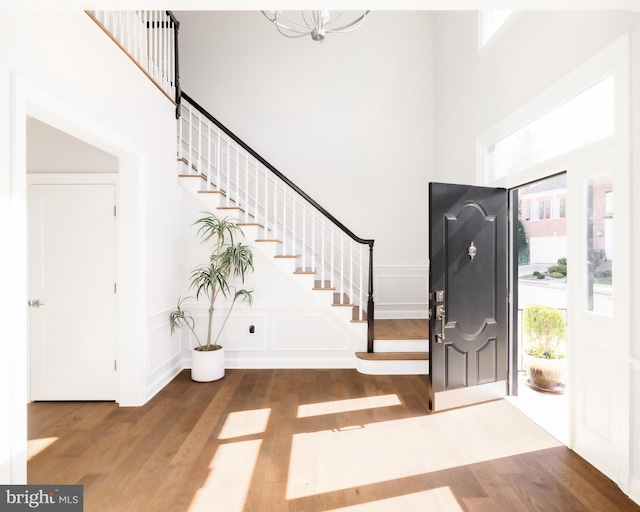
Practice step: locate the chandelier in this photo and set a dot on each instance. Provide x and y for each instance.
(315, 23)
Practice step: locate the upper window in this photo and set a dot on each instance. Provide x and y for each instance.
(584, 119)
(490, 22)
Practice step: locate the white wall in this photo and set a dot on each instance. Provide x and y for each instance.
(61, 69)
(473, 92)
(350, 121)
(52, 151)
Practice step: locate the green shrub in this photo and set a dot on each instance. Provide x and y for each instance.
(546, 331)
(536, 273)
(557, 275)
(540, 276)
(561, 267)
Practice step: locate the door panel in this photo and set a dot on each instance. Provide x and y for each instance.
(599, 309)
(468, 247)
(72, 275)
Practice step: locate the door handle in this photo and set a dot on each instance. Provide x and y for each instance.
(35, 303)
(440, 315)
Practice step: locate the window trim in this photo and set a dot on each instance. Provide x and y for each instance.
(609, 61)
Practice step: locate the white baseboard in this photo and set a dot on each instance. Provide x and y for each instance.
(309, 362)
(634, 491)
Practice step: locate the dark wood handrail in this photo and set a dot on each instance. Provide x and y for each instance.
(310, 200)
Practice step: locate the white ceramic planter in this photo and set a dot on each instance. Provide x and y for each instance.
(548, 375)
(207, 366)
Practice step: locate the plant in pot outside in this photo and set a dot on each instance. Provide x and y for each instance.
(545, 355)
(229, 262)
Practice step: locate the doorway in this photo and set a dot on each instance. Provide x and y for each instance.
(72, 272)
(542, 289)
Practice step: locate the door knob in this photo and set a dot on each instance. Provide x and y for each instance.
(35, 303)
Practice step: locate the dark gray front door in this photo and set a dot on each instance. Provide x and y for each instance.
(468, 294)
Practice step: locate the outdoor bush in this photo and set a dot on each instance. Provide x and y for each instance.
(561, 267)
(557, 275)
(545, 328)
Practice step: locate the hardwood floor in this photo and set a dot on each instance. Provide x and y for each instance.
(309, 440)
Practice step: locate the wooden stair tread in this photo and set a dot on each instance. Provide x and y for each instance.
(304, 271)
(393, 356)
(402, 329)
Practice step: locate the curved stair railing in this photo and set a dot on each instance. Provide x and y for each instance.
(262, 195)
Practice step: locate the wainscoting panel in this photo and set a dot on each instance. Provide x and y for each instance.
(401, 292)
(306, 332)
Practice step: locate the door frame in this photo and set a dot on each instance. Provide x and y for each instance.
(30, 100)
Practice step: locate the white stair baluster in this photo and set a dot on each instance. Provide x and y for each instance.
(256, 179)
(228, 171)
(218, 160)
(305, 252)
(313, 240)
(246, 187)
(209, 162)
(322, 253)
(238, 200)
(351, 279)
(190, 156)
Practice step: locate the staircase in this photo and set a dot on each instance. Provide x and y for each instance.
(401, 347)
(283, 220)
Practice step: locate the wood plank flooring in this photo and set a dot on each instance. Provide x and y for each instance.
(309, 440)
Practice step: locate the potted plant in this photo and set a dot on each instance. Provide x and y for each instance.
(545, 353)
(229, 261)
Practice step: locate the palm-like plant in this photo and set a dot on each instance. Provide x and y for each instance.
(228, 260)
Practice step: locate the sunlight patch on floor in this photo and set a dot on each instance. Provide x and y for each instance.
(330, 460)
(35, 446)
(228, 482)
(352, 404)
(434, 499)
(245, 423)
(549, 411)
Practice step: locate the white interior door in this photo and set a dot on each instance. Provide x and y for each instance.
(599, 270)
(72, 291)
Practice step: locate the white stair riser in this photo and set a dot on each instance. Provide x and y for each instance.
(395, 367)
(401, 345)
